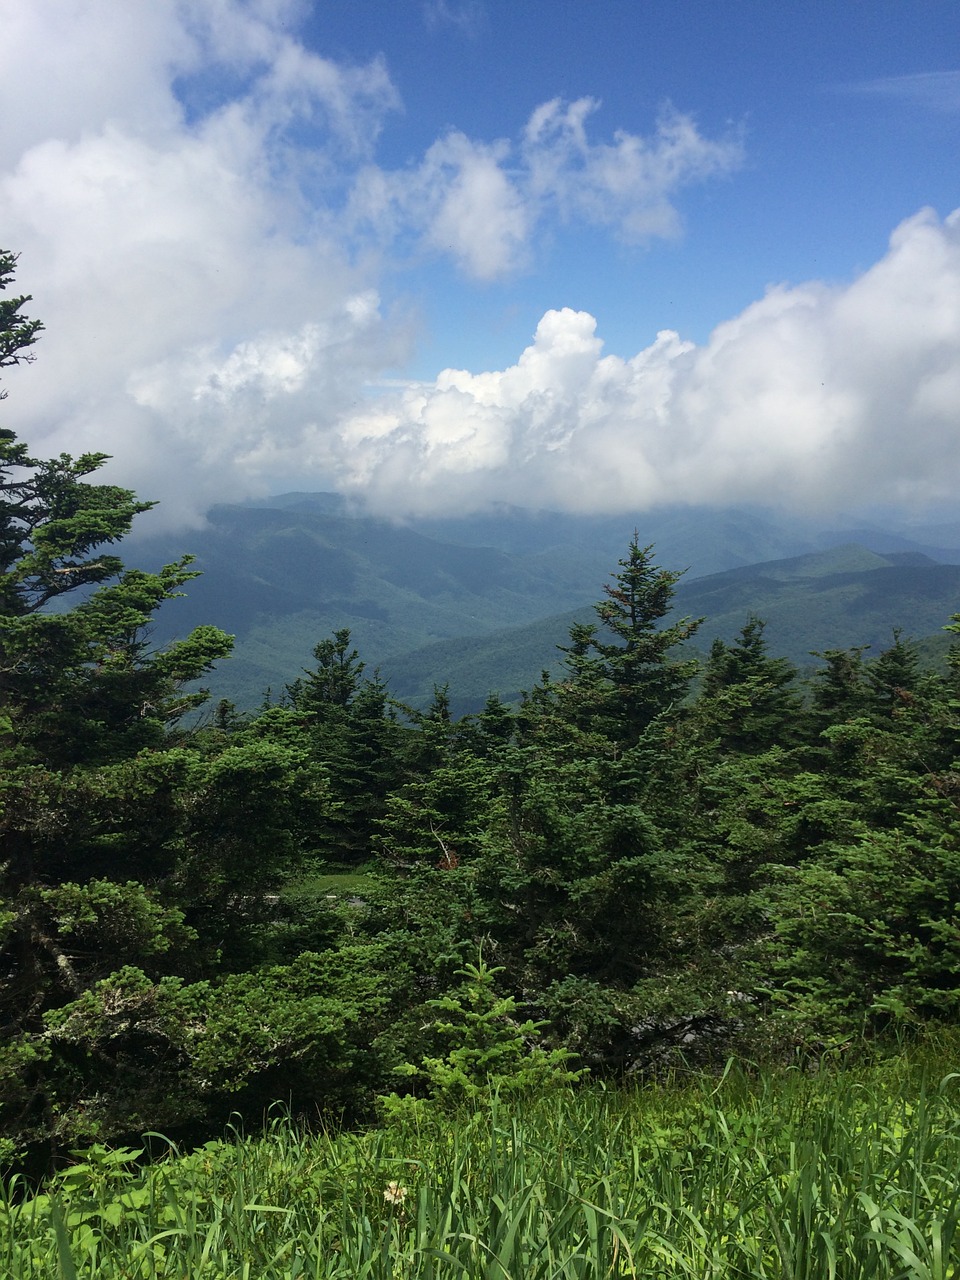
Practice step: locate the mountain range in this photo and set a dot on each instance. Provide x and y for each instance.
(481, 602)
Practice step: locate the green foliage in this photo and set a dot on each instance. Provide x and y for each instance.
(437, 818)
(868, 933)
(335, 680)
(17, 332)
(622, 683)
(133, 1053)
(490, 1051)
(849, 1175)
(895, 677)
(133, 862)
(573, 880)
(246, 824)
(746, 699)
(353, 734)
(840, 691)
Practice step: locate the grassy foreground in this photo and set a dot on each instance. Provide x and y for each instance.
(794, 1176)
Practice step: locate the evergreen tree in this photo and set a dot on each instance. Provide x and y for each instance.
(18, 333)
(355, 736)
(894, 678)
(112, 835)
(622, 683)
(488, 1048)
(746, 698)
(331, 686)
(491, 730)
(867, 934)
(840, 691)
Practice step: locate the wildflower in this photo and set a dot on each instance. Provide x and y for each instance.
(395, 1193)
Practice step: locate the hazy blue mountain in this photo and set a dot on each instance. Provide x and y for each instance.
(826, 600)
(704, 539)
(482, 601)
(846, 596)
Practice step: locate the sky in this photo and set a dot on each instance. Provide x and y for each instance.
(580, 255)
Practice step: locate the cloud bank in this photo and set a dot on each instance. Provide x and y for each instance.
(204, 225)
(815, 397)
(205, 222)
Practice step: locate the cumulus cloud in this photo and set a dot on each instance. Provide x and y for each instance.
(194, 307)
(814, 397)
(203, 223)
(481, 203)
(476, 213)
(627, 184)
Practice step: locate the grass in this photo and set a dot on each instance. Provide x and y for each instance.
(850, 1175)
(333, 881)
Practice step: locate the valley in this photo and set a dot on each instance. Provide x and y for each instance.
(481, 603)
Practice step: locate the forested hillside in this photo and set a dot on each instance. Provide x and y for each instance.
(482, 603)
(847, 596)
(610, 875)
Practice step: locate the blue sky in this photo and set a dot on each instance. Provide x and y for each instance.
(840, 142)
(582, 254)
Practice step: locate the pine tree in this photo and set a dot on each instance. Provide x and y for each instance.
(330, 686)
(91, 819)
(17, 332)
(489, 1049)
(840, 691)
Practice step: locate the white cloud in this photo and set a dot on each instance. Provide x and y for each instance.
(196, 308)
(814, 397)
(627, 184)
(203, 224)
(479, 217)
(69, 68)
(482, 203)
(466, 16)
(934, 90)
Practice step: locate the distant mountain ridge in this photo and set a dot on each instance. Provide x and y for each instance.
(482, 601)
(718, 538)
(836, 599)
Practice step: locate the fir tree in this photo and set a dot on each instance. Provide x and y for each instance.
(620, 684)
(746, 698)
(355, 736)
